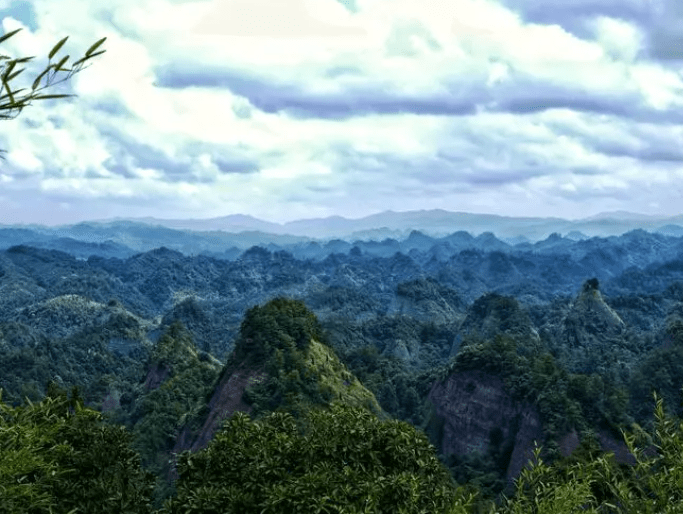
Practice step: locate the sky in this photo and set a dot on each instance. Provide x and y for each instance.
(296, 109)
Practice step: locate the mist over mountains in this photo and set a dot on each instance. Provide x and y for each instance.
(436, 222)
(388, 224)
(381, 234)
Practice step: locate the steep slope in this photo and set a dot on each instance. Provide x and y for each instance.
(426, 300)
(590, 320)
(591, 331)
(476, 413)
(280, 362)
(493, 314)
(177, 380)
(496, 400)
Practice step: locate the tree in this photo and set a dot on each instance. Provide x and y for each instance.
(58, 457)
(7, 76)
(339, 460)
(592, 481)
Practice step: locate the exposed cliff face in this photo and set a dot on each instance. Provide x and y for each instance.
(607, 442)
(225, 400)
(277, 338)
(156, 374)
(478, 414)
(228, 395)
(474, 412)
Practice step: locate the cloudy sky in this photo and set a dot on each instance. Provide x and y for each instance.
(310, 108)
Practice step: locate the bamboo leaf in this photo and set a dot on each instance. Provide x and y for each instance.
(10, 67)
(22, 60)
(95, 46)
(15, 74)
(8, 35)
(97, 53)
(83, 59)
(61, 63)
(9, 91)
(57, 47)
(37, 81)
(46, 97)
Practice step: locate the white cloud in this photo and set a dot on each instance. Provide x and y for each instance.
(22, 158)
(265, 18)
(293, 109)
(620, 39)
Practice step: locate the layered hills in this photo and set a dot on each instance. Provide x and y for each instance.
(486, 351)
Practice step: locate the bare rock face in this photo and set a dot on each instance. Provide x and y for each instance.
(156, 375)
(475, 413)
(478, 414)
(226, 399)
(607, 442)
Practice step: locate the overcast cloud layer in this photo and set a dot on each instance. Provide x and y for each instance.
(312, 108)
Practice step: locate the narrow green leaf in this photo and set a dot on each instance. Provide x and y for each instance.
(83, 59)
(97, 53)
(14, 92)
(45, 97)
(10, 67)
(37, 81)
(61, 63)
(57, 47)
(15, 74)
(95, 47)
(24, 59)
(9, 91)
(8, 35)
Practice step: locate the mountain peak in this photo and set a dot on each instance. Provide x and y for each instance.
(591, 323)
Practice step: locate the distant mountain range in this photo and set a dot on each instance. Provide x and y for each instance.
(381, 234)
(436, 222)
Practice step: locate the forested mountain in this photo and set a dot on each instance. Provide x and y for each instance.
(481, 347)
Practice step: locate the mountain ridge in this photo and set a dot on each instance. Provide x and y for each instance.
(435, 222)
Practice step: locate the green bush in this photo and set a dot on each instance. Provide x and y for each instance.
(347, 460)
(58, 457)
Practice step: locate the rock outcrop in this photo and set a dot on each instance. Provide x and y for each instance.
(225, 400)
(277, 338)
(476, 413)
(473, 411)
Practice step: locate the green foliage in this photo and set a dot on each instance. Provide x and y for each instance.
(592, 482)
(349, 302)
(278, 324)
(479, 472)
(564, 400)
(660, 370)
(83, 359)
(346, 460)
(58, 457)
(539, 491)
(159, 413)
(279, 338)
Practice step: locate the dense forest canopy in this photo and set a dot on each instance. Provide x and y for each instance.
(154, 343)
